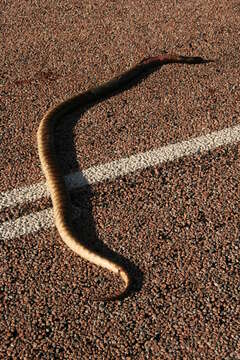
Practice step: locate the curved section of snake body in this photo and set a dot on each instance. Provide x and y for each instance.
(51, 169)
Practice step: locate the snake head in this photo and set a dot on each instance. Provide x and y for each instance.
(193, 60)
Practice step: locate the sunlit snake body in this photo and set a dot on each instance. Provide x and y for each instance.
(51, 169)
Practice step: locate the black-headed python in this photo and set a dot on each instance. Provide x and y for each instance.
(54, 177)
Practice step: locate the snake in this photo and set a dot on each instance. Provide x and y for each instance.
(62, 208)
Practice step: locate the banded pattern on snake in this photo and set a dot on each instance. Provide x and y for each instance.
(55, 181)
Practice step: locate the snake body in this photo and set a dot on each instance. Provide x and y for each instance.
(55, 180)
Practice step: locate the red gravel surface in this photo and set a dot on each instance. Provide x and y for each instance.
(176, 226)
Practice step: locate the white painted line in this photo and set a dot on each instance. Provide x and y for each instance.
(43, 219)
(23, 195)
(27, 224)
(125, 166)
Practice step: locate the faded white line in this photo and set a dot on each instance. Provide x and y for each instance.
(109, 171)
(125, 166)
(23, 195)
(29, 224)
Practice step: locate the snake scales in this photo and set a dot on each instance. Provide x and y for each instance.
(52, 171)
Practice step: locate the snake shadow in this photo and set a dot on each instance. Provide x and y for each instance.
(81, 199)
(81, 196)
